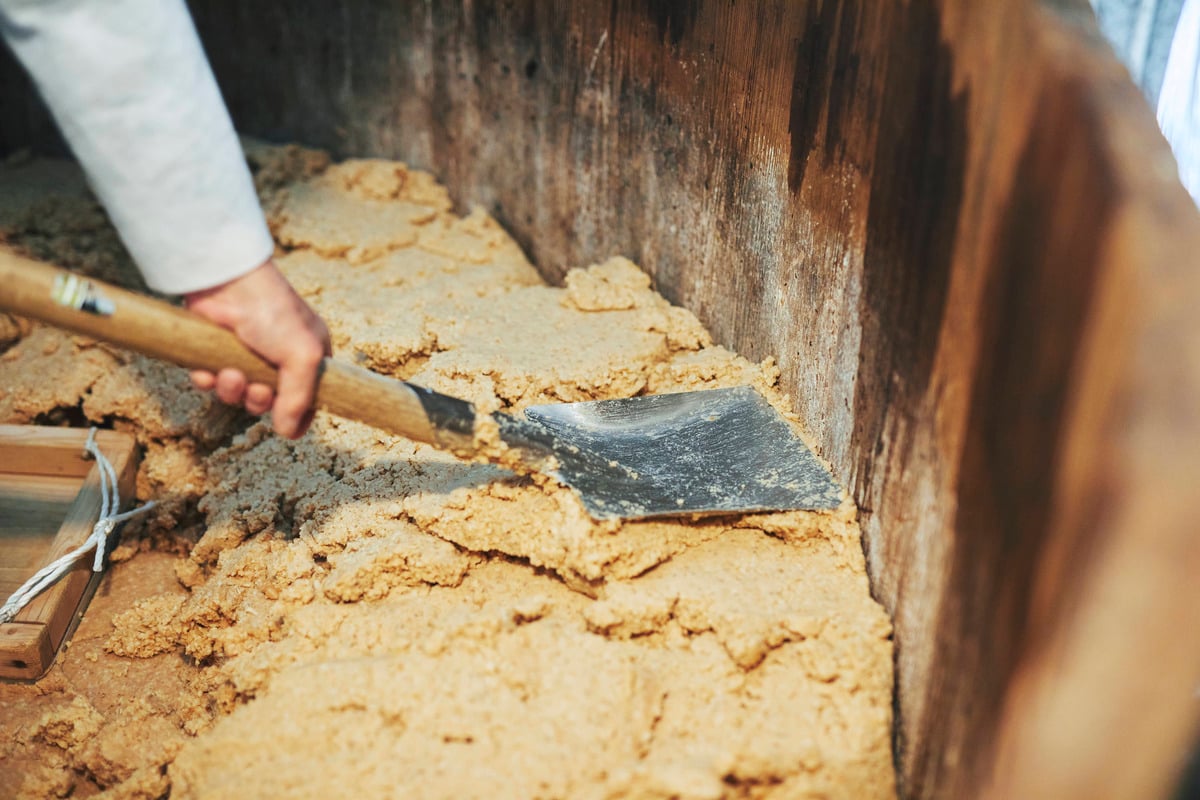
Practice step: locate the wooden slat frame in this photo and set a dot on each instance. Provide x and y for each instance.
(29, 643)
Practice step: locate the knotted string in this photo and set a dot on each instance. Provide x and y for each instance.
(110, 502)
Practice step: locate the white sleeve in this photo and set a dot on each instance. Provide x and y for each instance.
(1179, 103)
(132, 92)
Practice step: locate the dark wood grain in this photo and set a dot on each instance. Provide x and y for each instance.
(955, 226)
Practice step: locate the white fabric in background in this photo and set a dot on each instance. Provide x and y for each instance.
(1140, 32)
(133, 94)
(1179, 102)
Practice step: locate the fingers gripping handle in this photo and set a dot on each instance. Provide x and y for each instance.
(157, 329)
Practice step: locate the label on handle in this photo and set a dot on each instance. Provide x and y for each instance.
(78, 293)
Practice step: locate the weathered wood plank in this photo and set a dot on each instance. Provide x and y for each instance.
(30, 505)
(30, 641)
(954, 225)
(55, 607)
(25, 650)
(41, 450)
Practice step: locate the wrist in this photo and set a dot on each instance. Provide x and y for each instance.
(236, 286)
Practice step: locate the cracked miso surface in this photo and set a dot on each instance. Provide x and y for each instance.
(356, 615)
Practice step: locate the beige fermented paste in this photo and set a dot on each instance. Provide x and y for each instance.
(356, 615)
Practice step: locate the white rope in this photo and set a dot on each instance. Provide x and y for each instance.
(110, 501)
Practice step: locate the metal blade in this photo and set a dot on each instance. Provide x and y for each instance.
(715, 451)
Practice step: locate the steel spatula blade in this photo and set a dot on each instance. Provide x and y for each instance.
(714, 451)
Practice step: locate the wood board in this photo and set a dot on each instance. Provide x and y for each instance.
(50, 495)
(955, 225)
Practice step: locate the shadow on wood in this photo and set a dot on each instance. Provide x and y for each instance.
(955, 225)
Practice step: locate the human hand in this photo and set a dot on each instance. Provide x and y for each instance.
(265, 312)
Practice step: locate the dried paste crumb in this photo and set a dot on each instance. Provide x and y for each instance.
(358, 615)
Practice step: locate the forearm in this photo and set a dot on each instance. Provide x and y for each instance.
(132, 92)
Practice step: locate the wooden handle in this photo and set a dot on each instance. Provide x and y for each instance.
(157, 329)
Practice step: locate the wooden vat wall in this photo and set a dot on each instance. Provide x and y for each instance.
(954, 224)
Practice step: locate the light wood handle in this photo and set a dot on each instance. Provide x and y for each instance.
(160, 330)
